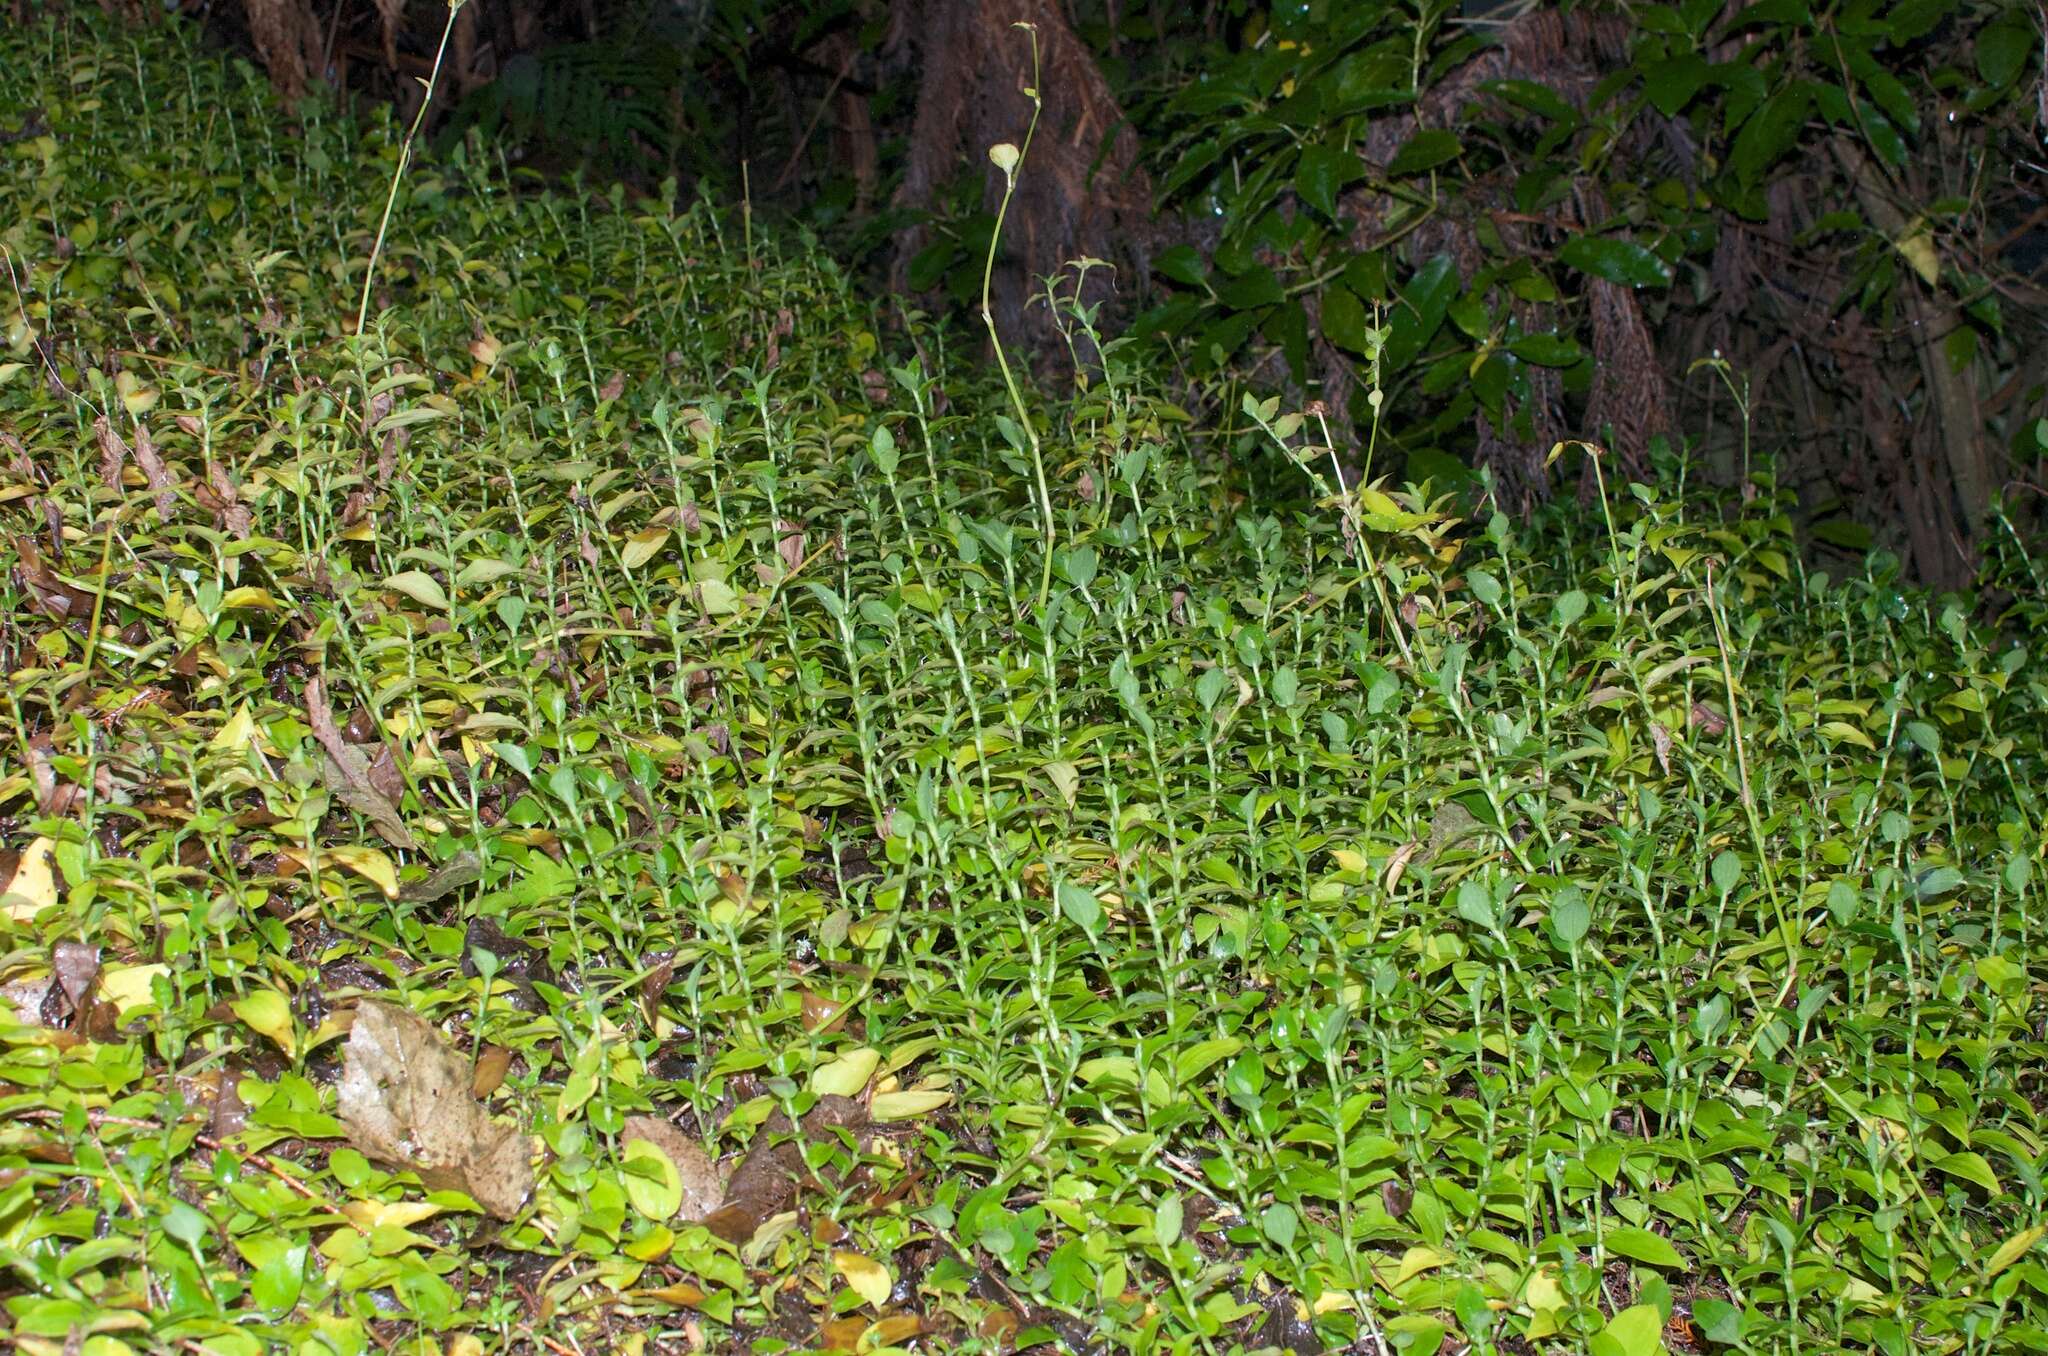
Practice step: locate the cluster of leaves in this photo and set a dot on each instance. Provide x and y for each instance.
(1328, 140)
(1314, 922)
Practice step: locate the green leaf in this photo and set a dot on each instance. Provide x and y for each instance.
(1619, 261)
(1640, 1245)
(419, 586)
(1323, 174)
(2005, 47)
(1166, 1222)
(848, 1075)
(1192, 1062)
(1717, 1320)
(1972, 1168)
(1344, 321)
(1257, 286)
(1279, 1222)
(1672, 83)
(1637, 1331)
(882, 450)
(653, 1184)
(269, 1014)
(1547, 350)
(1078, 903)
(1181, 264)
(1425, 151)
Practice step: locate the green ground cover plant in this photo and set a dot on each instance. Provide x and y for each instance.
(624, 687)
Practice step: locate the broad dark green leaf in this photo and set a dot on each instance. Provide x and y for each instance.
(1620, 261)
(1671, 83)
(1547, 350)
(1425, 150)
(1344, 320)
(1323, 173)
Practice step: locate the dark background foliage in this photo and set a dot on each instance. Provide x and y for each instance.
(1772, 243)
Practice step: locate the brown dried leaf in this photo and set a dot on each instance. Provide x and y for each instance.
(703, 1186)
(154, 471)
(656, 984)
(405, 1096)
(225, 502)
(113, 452)
(348, 772)
(765, 1183)
(76, 966)
(464, 868)
(56, 599)
(790, 544)
(491, 1068)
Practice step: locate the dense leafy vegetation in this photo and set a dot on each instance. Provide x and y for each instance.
(1304, 918)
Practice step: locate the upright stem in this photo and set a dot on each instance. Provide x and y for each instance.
(404, 157)
(1007, 159)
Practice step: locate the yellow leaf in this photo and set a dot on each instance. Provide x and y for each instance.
(864, 1276)
(1917, 245)
(368, 863)
(246, 596)
(848, 1075)
(641, 547)
(34, 887)
(127, 986)
(2014, 1248)
(1842, 732)
(1413, 1263)
(269, 1014)
(903, 1106)
(369, 1215)
(237, 733)
(1347, 860)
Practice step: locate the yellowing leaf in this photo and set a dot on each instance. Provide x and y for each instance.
(369, 1215)
(903, 1106)
(1842, 732)
(238, 732)
(864, 1276)
(127, 986)
(485, 571)
(267, 1013)
(261, 599)
(641, 547)
(1917, 245)
(1413, 1263)
(34, 887)
(421, 587)
(848, 1075)
(368, 863)
(2014, 1248)
(1347, 860)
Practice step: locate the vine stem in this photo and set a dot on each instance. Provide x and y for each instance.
(404, 158)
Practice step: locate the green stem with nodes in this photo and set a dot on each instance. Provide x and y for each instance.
(1007, 158)
(404, 157)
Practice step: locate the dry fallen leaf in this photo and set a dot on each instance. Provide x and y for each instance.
(348, 772)
(405, 1096)
(764, 1185)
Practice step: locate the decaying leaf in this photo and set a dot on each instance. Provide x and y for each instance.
(348, 772)
(154, 471)
(764, 1185)
(464, 868)
(405, 1096)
